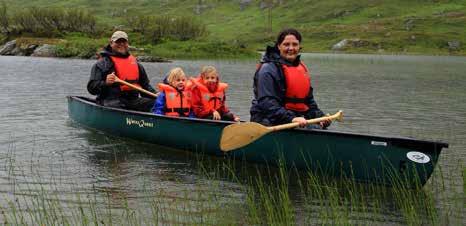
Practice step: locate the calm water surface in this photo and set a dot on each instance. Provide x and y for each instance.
(416, 96)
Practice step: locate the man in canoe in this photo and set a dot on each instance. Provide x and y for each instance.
(116, 63)
(282, 85)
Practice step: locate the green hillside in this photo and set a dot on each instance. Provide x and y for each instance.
(371, 26)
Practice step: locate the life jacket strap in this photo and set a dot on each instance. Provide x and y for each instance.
(178, 110)
(295, 100)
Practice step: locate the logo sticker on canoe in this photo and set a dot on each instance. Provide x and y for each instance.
(418, 157)
(140, 123)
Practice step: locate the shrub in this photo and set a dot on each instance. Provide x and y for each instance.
(52, 22)
(79, 47)
(158, 28)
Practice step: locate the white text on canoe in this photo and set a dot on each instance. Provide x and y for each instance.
(141, 123)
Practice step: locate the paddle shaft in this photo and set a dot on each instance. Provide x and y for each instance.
(309, 121)
(136, 88)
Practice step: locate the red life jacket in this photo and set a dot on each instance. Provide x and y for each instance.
(298, 84)
(126, 69)
(176, 103)
(211, 100)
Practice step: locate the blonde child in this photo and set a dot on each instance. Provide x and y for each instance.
(208, 96)
(175, 97)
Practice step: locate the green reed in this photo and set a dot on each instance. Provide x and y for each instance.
(228, 192)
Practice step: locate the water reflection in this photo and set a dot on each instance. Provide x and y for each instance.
(143, 172)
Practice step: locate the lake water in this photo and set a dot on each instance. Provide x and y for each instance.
(41, 149)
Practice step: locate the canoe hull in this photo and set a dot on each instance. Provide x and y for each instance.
(375, 159)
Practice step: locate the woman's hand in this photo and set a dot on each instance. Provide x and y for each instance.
(236, 118)
(325, 124)
(301, 120)
(216, 115)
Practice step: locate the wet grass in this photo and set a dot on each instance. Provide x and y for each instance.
(226, 192)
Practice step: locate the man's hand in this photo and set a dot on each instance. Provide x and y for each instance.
(111, 78)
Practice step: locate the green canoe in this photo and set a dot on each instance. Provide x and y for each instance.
(366, 158)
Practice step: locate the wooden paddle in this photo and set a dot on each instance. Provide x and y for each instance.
(241, 134)
(136, 87)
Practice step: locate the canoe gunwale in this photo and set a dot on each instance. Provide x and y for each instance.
(89, 101)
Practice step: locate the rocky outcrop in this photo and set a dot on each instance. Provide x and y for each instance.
(45, 50)
(30, 49)
(151, 59)
(8, 48)
(13, 48)
(353, 43)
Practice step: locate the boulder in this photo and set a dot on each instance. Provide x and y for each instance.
(359, 42)
(341, 45)
(17, 51)
(352, 43)
(30, 49)
(243, 4)
(265, 5)
(454, 45)
(45, 50)
(200, 8)
(409, 24)
(8, 48)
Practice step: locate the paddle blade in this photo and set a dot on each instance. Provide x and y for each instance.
(241, 134)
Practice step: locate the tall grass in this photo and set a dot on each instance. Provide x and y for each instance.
(229, 192)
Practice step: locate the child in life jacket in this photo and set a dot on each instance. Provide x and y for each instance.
(208, 96)
(175, 97)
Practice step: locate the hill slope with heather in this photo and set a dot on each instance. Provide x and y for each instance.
(364, 26)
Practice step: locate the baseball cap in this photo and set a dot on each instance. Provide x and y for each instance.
(119, 34)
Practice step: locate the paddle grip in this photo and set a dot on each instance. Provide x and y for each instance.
(337, 116)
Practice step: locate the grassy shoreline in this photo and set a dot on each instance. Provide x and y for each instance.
(85, 48)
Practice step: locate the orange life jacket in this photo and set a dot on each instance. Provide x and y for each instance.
(298, 84)
(211, 100)
(126, 69)
(177, 103)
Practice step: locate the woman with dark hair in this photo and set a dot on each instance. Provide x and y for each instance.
(282, 85)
